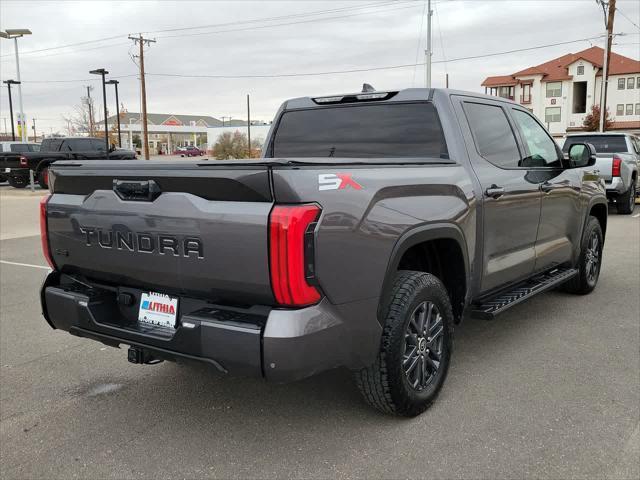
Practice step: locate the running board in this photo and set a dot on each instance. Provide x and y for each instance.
(491, 307)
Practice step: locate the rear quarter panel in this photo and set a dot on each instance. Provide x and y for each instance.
(359, 228)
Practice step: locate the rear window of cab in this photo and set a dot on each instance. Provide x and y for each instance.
(393, 130)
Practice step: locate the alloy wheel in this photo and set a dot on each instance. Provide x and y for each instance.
(423, 344)
(592, 258)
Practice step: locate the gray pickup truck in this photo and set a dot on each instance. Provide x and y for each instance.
(618, 162)
(372, 225)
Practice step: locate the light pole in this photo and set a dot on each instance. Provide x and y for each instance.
(115, 83)
(16, 33)
(9, 83)
(103, 72)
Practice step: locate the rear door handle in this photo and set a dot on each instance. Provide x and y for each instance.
(494, 191)
(548, 186)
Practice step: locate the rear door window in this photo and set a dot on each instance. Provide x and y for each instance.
(492, 134)
(602, 143)
(400, 130)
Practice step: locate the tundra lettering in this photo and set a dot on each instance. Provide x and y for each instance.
(144, 242)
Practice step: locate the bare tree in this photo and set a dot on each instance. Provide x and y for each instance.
(80, 120)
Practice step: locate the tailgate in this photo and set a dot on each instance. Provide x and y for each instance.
(188, 228)
(603, 165)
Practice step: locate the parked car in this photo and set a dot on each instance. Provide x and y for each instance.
(618, 161)
(189, 151)
(16, 147)
(373, 223)
(16, 165)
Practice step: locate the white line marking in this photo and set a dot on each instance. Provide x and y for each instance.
(636, 215)
(24, 264)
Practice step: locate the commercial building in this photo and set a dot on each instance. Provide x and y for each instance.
(170, 131)
(562, 91)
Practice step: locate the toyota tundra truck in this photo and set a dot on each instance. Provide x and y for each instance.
(372, 225)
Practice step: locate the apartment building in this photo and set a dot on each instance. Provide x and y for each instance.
(562, 91)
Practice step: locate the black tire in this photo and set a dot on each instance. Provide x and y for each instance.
(626, 203)
(587, 279)
(43, 178)
(386, 384)
(18, 182)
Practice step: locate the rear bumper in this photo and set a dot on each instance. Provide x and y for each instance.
(615, 186)
(280, 345)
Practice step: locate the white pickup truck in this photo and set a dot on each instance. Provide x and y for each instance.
(618, 162)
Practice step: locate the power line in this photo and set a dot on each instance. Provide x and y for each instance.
(333, 72)
(625, 16)
(358, 70)
(281, 17)
(260, 27)
(318, 12)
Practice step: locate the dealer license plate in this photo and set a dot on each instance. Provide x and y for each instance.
(158, 309)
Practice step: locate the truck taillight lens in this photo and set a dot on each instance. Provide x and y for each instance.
(44, 233)
(291, 259)
(615, 166)
(23, 161)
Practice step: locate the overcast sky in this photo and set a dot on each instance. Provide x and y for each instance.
(238, 39)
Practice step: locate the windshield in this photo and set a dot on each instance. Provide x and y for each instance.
(400, 130)
(602, 143)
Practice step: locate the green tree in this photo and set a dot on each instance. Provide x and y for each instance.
(234, 145)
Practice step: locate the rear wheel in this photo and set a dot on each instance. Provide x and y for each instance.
(415, 347)
(18, 182)
(590, 260)
(626, 202)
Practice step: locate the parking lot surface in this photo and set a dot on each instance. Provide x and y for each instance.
(549, 389)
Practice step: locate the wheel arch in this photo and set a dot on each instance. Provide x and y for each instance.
(440, 235)
(601, 212)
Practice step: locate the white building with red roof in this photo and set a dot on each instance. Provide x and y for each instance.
(562, 91)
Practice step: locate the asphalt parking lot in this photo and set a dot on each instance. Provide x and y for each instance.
(550, 389)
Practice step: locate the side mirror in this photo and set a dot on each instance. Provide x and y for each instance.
(582, 155)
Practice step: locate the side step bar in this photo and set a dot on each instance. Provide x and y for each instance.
(488, 309)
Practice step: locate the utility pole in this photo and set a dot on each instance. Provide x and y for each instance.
(9, 83)
(249, 125)
(141, 41)
(428, 52)
(90, 111)
(35, 135)
(607, 60)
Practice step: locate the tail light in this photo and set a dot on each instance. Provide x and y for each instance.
(44, 233)
(23, 161)
(615, 166)
(291, 254)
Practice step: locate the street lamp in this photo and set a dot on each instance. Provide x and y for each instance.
(16, 33)
(103, 72)
(9, 83)
(115, 83)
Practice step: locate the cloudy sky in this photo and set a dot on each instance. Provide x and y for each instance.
(198, 42)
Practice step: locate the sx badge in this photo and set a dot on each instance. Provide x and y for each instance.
(337, 181)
